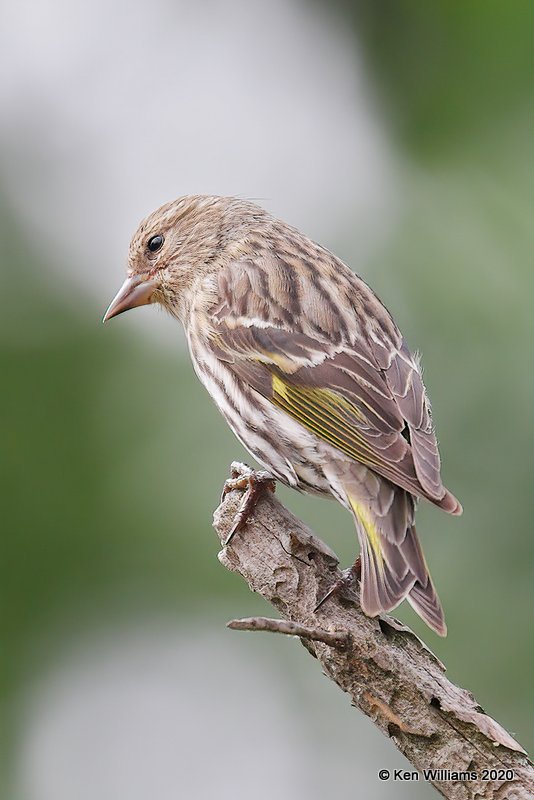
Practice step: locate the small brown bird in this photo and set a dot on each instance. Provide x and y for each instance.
(309, 370)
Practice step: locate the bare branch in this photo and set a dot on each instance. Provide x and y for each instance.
(390, 675)
(289, 629)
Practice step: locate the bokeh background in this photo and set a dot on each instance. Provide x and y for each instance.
(399, 134)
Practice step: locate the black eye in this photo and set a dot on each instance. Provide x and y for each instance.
(155, 243)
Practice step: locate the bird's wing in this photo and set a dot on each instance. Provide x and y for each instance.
(329, 355)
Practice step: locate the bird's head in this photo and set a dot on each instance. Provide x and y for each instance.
(178, 244)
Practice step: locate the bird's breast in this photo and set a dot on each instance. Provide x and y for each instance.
(278, 442)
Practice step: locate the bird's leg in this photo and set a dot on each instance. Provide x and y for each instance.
(348, 577)
(256, 485)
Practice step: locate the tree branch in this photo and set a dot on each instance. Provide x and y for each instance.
(290, 629)
(386, 669)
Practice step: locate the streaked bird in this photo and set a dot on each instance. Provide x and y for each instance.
(309, 370)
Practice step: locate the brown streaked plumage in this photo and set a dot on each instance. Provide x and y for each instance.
(309, 370)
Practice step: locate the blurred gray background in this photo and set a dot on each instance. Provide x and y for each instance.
(400, 135)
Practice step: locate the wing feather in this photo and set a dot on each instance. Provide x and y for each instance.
(354, 383)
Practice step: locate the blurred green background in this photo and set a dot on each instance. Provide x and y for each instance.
(114, 454)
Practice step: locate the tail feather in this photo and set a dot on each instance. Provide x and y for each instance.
(381, 588)
(406, 555)
(425, 601)
(393, 565)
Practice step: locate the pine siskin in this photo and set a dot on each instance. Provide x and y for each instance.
(309, 370)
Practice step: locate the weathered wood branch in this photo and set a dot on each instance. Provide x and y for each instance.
(388, 672)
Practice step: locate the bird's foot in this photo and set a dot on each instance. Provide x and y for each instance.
(256, 484)
(346, 584)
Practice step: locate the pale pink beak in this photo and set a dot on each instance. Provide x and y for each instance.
(137, 290)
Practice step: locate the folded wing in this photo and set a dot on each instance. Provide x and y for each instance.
(346, 376)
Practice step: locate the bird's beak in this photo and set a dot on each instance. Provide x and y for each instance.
(136, 290)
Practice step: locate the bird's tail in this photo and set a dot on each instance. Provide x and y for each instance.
(393, 565)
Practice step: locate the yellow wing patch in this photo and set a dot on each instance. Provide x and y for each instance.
(326, 414)
(285, 363)
(370, 528)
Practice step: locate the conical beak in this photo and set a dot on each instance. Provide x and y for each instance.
(135, 291)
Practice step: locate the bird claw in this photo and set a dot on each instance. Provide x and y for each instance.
(255, 484)
(239, 473)
(344, 585)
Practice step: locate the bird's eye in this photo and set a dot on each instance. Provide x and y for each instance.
(155, 243)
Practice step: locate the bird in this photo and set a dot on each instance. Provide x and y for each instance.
(309, 370)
